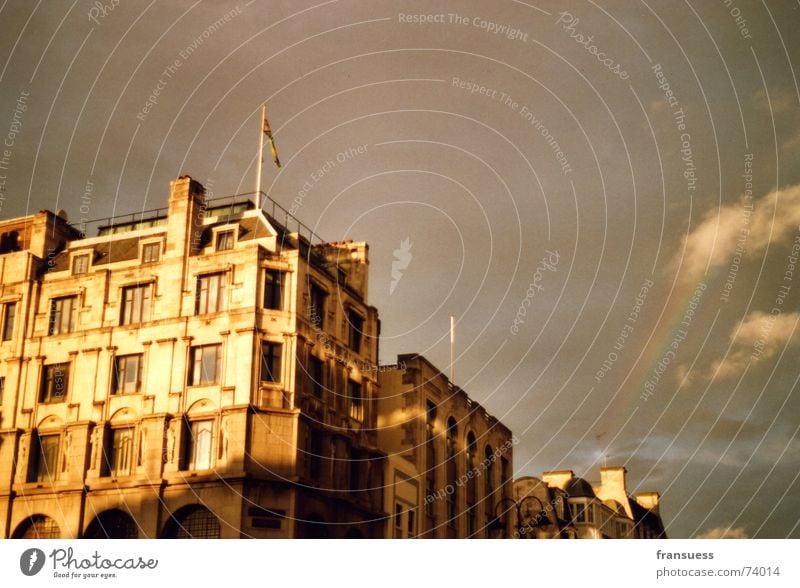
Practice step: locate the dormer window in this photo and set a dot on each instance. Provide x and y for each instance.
(224, 241)
(150, 252)
(80, 264)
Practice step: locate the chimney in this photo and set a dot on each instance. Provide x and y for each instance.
(558, 479)
(186, 212)
(649, 500)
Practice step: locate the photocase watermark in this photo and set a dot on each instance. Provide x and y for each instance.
(678, 338)
(401, 261)
(547, 263)
(524, 111)
(679, 118)
(453, 18)
(317, 175)
(627, 329)
(777, 309)
(14, 128)
(31, 561)
(183, 55)
(100, 10)
(744, 229)
(569, 23)
(473, 473)
(741, 22)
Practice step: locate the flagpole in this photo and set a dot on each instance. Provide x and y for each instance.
(260, 152)
(452, 349)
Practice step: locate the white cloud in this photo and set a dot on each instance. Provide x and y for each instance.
(757, 337)
(713, 242)
(724, 533)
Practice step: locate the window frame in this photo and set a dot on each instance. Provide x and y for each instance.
(274, 291)
(196, 371)
(111, 455)
(149, 247)
(316, 378)
(116, 382)
(355, 400)
(80, 257)
(9, 315)
(47, 384)
(274, 357)
(317, 300)
(226, 236)
(56, 326)
(192, 448)
(142, 291)
(355, 330)
(39, 469)
(202, 302)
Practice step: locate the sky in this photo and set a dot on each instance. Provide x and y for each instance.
(605, 197)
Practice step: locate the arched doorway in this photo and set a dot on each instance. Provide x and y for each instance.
(112, 524)
(37, 527)
(192, 522)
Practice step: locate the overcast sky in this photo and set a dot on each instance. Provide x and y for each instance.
(605, 197)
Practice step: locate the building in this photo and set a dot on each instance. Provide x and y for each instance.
(449, 461)
(196, 371)
(561, 505)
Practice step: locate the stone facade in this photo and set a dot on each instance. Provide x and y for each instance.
(450, 461)
(201, 372)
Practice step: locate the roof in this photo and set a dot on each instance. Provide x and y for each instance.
(580, 488)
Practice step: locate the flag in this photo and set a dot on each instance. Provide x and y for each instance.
(273, 149)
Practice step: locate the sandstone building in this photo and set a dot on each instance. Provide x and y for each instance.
(561, 505)
(449, 461)
(199, 371)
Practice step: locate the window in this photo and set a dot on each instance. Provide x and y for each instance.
(452, 471)
(210, 293)
(316, 311)
(54, 383)
(430, 459)
(38, 527)
(316, 375)
(355, 401)
(224, 240)
(206, 365)
(44, 458)
(9, 318)
(198, 452)
(273, 290)
(127, 374)
(80, 264)
(411, 523)
(193, 522)
(271, 357)
(119, 452)
(135, 304)
(488, 478)
(398, 520)
(355, 324)
(580, 513)
(62, 315)
(150, 252)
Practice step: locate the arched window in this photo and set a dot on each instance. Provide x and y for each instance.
(112, 524)
(430, 463)
(452, 471)
(488, 481)
(472, 494)
(192, 522)
(38, 527)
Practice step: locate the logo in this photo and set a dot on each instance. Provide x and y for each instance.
(402, 257)
(31, 561)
